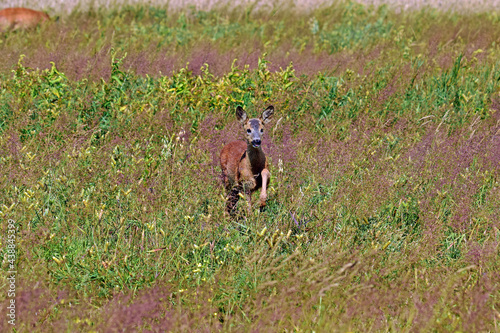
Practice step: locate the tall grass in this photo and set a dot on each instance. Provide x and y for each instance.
(68, 6)
(385, 150)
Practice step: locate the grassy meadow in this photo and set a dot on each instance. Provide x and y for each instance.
(384, 204)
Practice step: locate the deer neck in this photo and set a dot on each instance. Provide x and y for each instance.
(256, 158)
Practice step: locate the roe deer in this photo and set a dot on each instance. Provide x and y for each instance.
(21, 18)
(244, 164)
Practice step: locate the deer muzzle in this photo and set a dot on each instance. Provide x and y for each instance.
(256, 143)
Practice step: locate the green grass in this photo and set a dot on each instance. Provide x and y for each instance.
(384, 149)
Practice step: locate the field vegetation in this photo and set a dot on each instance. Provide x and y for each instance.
(383, 209)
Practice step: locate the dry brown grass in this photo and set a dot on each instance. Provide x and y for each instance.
(61, 6)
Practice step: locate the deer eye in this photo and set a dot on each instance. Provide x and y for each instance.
(262, 130)
(249, 131)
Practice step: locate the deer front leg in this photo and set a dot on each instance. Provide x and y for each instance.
(266, 176)
(247, 191)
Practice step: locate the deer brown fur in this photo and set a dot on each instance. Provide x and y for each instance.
(244, 164)
(21, 18)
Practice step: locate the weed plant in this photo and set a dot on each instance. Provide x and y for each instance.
(384, 201)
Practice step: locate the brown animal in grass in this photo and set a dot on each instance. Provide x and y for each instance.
(21, 18)
(244, 164)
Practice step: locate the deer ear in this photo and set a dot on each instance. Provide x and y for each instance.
(266, 115)
(241, 115)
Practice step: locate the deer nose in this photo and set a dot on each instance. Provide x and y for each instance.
(256, 143)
